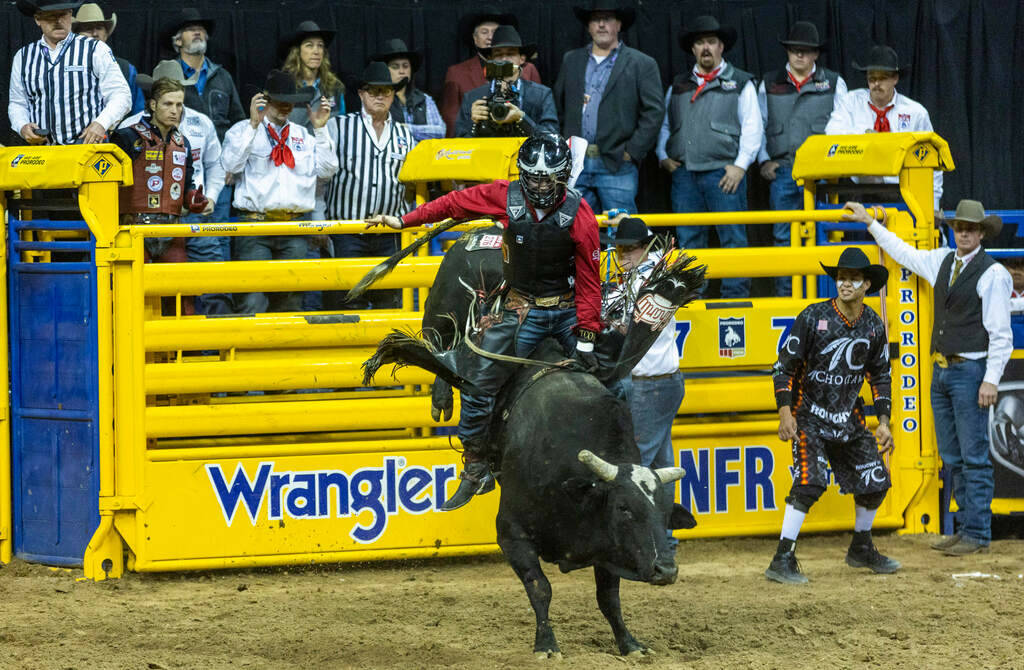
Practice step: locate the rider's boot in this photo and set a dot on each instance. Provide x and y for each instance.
(476, 477)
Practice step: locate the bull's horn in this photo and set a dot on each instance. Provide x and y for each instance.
(669, 475)
(601, 467)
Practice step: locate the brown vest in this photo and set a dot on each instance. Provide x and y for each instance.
(159, 172)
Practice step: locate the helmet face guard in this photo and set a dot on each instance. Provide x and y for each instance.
(544, 164)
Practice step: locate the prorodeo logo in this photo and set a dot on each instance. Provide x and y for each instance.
(321, 494)
(453, 154)
(23, 160)
(845, 346)
(845, 151)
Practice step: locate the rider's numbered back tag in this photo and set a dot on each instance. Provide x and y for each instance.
(484, 241)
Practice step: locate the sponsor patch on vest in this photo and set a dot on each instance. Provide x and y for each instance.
(822, 86)
(154, 201)
(154, 184)
(178, 157)
(564, 220)
(728, 85)
(732, 337)
(154, 155)
(175, 192)
(519, 239)
(516, 211)
(197, 155)
(154, 168)
(177, 174)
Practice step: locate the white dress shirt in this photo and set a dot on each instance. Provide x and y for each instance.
(117, 97)
(854, 116)
(994, 288)
(663, 357)
(751, 125)
(265, 187)
(202, 136)
(762, 104)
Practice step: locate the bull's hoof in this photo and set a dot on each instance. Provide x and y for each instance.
(633, 648)
(545, 655)
(639, 653)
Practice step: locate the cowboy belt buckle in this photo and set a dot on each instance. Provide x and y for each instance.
(593, 151)
(549, 301)
(940, 360)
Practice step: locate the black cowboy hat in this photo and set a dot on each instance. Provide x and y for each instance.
(803, 34)
(626, 15)
(855, 259)
(189, 17)
(301, 32)
(630, 231)
(707, 25)
(29, 8)
(485, 14)
(379, 74)
(395, 48)
(881, 58)
(508, 36)
(282, 87)
(972, 211)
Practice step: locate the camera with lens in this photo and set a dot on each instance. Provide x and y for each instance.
(503, 92)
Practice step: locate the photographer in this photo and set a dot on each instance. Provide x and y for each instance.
(507, 106)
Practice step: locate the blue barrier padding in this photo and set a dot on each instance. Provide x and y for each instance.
(54, 402)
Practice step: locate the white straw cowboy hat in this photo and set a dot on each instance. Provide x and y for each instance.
(90, 13)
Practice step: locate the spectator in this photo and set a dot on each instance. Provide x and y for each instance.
(529, 106)
(795, 103)
(305, 56)
(198, 129)
(821, 413)
(880, 109)
(371, 149)
(971, 344)
(279, 163)
(711, 134)
(162, 169)
(1015, 266)
(656, 384)
(476, 29)
(89, 104)
(411, 105)
(91, 22)
(610, 95)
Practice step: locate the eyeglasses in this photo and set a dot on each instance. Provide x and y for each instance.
(378, 92)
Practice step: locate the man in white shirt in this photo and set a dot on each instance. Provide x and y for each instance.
(279, 164)
(796, 102)
(657, 384)
(371, 149)
(93, 96)
(710, 135)
(198, 128)
(971, 344)
(880, 109)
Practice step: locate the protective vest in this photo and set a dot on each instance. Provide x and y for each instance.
(958, 327)
(539, 255)
(705, 134)
(159, 174)
(794, 115)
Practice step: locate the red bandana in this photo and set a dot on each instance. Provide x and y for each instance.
(798, 84)
(881, 123)
(708, 78)
(281, 153)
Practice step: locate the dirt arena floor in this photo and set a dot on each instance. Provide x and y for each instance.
(721, 613)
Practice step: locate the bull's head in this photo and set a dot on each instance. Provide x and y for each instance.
(636, 509)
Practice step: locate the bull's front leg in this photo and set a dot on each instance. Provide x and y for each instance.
(608, 601)
(521, 555)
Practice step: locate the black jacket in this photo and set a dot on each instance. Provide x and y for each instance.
(219, 101)
(538, 108)
(632, 105)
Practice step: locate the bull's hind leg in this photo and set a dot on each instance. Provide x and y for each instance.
(608, 601)
(521, 555)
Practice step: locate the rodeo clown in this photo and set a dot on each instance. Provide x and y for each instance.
(163, 182)
(822, 366)
(551, 254)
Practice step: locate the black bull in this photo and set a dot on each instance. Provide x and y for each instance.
(594, 507)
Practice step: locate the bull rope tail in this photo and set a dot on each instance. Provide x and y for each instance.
(385, 268)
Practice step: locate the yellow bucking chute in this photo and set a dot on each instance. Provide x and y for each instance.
(462, 159)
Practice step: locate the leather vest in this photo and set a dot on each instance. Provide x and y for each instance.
(794, 115)
(539, 255)
(958, 327)
(705, 134)
(159, 174)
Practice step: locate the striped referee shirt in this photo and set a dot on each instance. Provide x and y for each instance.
(66, 88)
(367, 181)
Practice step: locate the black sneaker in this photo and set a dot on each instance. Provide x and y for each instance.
(785, 569)
(867, 556)
(476, 479)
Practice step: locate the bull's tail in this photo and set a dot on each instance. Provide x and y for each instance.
(385, 268)
(402, 349)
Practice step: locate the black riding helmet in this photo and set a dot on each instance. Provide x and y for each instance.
(544, 165)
